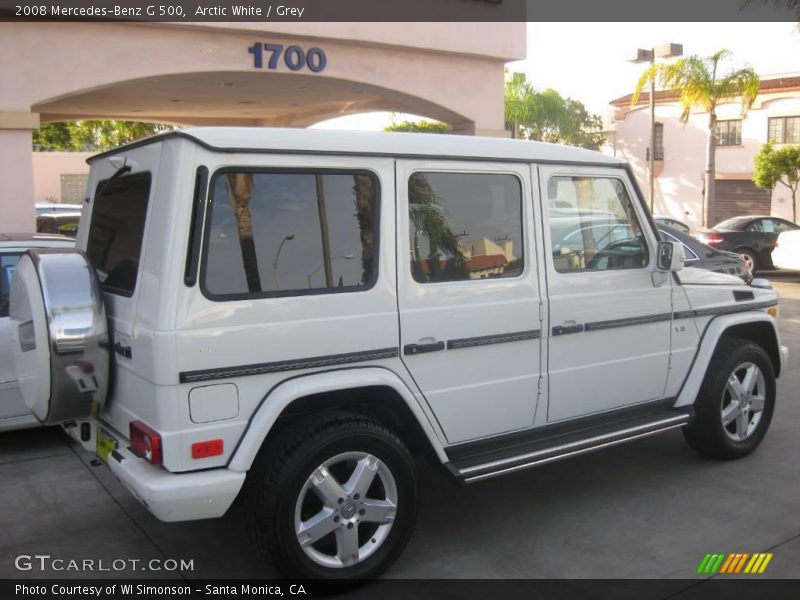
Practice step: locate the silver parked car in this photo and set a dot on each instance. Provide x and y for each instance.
(13, 412)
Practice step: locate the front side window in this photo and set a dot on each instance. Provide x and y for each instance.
(464, 226)
(593, 226)
(273, 233)
(117, 230)
(729, 133)
(8, 262)
(784, 130)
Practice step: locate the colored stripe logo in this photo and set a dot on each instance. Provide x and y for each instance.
(734, 563)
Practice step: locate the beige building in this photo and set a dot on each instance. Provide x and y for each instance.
(255, 74)
(680, 153)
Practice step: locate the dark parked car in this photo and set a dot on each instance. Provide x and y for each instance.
(705, 257)
(751, 237)
(674, 223)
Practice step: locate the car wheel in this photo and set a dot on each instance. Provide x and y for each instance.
(749, 258)
(334, 498)
(734, 407)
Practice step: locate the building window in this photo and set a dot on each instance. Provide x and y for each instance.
(658, 133)
(465, 226)
(729, 133)
(278, 233)
(784, 130)
(73, 188)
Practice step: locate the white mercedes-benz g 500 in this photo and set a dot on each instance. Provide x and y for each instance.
(288, 315)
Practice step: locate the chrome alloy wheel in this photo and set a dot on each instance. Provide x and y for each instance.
(345, 509)
(743, 401)
(749, 263)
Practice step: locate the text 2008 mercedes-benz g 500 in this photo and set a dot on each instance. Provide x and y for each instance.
(287, 315)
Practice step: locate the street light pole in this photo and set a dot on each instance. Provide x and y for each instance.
(348, 256)
(649, 55)
(652, 165)
(275, 274)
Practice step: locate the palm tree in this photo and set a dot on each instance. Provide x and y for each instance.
(240, 189)
(698, 84)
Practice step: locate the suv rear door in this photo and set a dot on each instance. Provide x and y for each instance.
(122, 187)
(468, 293)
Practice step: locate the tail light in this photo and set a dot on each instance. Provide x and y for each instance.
(713, 239)
(146, 443)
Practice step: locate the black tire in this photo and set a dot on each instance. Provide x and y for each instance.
(279, 477)
(706, 433)
(748, 255)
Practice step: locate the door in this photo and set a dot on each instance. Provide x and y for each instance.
(610, 313)
(468, 293)
(734, 197)
(11, 403)
(122, 188)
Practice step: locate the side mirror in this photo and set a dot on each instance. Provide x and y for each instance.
(669, 256)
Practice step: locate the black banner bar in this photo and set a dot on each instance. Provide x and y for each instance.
(733, 588)
(295, 11)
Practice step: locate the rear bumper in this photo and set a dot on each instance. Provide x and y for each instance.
(174, 496)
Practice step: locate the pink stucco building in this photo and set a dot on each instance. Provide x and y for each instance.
(221, 74)
(680, 155)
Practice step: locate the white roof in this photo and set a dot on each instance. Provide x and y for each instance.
(386, 143)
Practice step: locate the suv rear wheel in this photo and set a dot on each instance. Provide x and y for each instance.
(736, 401)
(334, 497)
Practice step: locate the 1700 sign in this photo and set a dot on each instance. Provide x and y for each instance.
(294, 57)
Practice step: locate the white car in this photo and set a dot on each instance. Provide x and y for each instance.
(288, 315)
(13, 412)
(786, 254)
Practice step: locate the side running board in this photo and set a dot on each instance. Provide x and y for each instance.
(566, 446)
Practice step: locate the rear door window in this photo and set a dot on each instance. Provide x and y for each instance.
(465, 226)
(117, 230)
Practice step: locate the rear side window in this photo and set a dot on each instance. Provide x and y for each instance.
(464, 226)
(117, 229)
(593, 226)
(272, 233)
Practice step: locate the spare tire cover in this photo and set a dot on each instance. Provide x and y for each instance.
(59, 335)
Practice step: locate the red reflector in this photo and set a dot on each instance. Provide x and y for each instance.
(208, 448)
(146, 443)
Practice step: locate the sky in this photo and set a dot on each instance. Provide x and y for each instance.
(589, 61)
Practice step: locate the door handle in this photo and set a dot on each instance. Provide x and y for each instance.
(568, 327)
(410, 349)
(125, 351)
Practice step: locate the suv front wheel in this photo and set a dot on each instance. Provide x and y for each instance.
(735, 403)
(334, 497)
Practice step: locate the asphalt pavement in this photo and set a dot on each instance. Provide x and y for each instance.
(648, 509)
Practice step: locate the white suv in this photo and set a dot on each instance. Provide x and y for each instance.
(289, 315)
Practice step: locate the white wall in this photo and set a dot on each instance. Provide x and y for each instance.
(679, 185)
